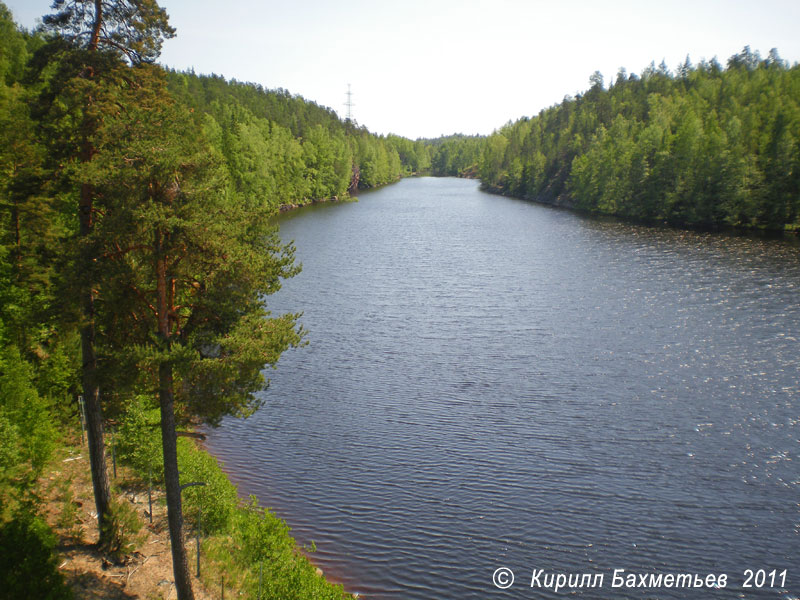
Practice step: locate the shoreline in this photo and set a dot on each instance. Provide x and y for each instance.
(565, 202)
(282, 208)
(144, 570)
(330, 575)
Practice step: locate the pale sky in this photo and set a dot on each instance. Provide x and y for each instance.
(424, 68)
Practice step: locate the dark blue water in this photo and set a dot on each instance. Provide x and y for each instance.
(491, 382)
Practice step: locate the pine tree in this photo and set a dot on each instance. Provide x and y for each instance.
(98, 33)
(186, 266)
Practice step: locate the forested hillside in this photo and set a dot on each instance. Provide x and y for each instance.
(707, 146)
(455, 155)
(285, 149)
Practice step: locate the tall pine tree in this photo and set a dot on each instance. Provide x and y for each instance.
(186, 266)
(99, 36)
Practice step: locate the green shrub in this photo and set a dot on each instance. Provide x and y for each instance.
(24, 408)
(69, 518)
(28, 563)
(261, 535)
(124, 528)
(138, 441)
(28, 436)
(262, 544)
(248, 537)
(139, 446)
(258, 558)
(216, 501)
(58, 378)
(10, 450)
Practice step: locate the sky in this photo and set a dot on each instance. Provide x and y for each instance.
(425, 68)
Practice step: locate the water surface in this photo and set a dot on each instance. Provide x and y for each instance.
(491, 382)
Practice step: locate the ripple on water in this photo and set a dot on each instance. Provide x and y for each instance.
(491, 382)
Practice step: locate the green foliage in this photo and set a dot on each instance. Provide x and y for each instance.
(31, 373)
(140, 218)
(139, 446)
(260, 548)
(134, 28)
(281, 149)
(57, 377)
(262, 536)
(262, 544)
(123, 530)
(244, 537)
(28, 564)
(30, 223)
(172, 239)
(707, 147)
(69, 517)
(13, 49)
(138, 438)
(455, 155)
(415, 156)
(25, 416)
(11, 462)
(214, 503)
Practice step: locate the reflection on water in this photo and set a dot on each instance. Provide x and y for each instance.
(492, 383)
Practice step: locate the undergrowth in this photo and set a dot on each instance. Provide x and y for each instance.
(242, 544)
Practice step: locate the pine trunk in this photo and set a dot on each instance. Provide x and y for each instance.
(91, 390)
(169, 442)
(169, 438)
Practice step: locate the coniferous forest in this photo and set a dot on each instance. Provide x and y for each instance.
(137, 242)
(706, 147)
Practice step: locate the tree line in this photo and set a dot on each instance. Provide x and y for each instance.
(284, 149)
(705, 146)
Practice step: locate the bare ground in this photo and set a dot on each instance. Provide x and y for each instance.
(69, 509)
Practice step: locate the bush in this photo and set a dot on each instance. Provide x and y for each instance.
(10, 459)
(139, 446)
(262, 542)
(248, 538)
(216, 500)
(69, 517)
(124, 529)
(261, 535)
(27, 433)
(138, 440)
(258, 556)
(28, 564)
(25, 409)
(58, 378)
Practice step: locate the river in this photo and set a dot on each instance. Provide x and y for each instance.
(494, 383)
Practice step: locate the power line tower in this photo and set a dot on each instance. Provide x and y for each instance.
(349, 104)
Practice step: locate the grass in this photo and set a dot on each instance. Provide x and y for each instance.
(242, 543)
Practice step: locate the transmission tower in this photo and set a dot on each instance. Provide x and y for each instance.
(349, 104)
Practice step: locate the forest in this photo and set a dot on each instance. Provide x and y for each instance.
(284, 149)
(706, 147)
